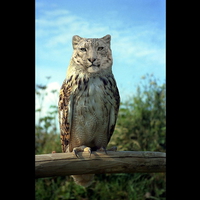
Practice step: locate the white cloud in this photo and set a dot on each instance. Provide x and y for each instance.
(62, 25)
(137, 49)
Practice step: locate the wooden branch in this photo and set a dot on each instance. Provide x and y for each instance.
(61, 164)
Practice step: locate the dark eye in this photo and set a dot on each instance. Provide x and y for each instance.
(100, 48)
(83, 49)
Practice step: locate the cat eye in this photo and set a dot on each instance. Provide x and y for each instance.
(100, 48)
(83, 49)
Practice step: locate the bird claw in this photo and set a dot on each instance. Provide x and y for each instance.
(75, 152)
(103, 149)
(82, 149)
(90, 151)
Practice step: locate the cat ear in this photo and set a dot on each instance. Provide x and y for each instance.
(75, 40)
(107, 39)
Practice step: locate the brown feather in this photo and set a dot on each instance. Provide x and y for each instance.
(63, 114)
(89, 99)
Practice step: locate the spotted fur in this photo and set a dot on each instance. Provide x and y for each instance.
(89, 97)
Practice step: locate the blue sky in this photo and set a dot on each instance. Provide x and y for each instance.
(137, 29)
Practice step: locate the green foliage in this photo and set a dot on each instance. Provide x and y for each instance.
(141, 120)
(140, 126)
(46, 134)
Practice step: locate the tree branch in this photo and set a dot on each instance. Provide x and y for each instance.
(62, 164)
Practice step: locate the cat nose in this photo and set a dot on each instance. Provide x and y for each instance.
(91, 59)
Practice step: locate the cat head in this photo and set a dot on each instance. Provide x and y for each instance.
(92, 54)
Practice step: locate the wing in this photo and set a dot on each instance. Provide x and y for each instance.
(113, 95)
(65, 106)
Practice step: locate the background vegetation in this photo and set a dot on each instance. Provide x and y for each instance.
(141, 126)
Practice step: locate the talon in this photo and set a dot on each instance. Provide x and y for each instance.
(81, 149)
(103, 149)
(90, 152)
(75, 153)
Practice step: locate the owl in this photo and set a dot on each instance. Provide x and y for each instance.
(88, 100)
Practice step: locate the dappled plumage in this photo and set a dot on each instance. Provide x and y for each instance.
(89, 99)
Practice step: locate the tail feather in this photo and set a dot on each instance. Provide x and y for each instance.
(84, 180)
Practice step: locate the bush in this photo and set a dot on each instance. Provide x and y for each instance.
(141, 120)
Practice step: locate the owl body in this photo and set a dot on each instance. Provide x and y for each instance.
(89, 98)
